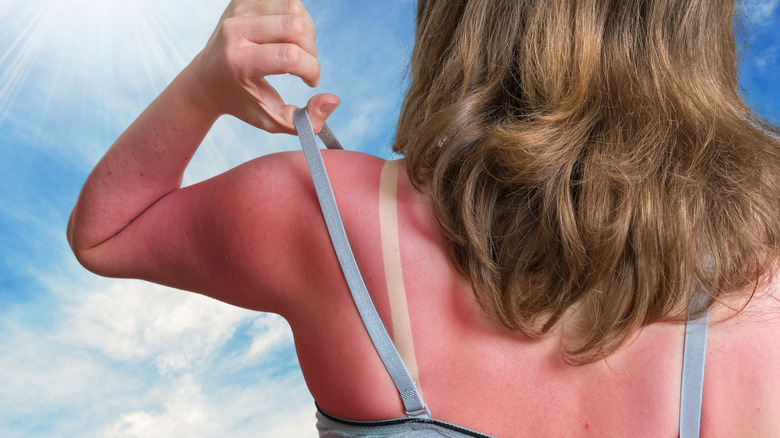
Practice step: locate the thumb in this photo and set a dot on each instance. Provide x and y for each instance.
(319, 108)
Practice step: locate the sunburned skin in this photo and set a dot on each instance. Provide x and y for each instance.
(255, 237)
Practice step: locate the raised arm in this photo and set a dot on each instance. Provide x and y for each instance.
(144, 167)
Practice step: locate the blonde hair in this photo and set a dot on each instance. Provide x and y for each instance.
(591, 161)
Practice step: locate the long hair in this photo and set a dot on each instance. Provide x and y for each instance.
(591, 162)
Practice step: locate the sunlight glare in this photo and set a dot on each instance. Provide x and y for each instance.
(90, 50)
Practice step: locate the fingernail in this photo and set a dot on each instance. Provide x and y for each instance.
(328, 108)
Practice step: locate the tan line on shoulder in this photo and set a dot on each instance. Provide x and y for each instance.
(391, 254)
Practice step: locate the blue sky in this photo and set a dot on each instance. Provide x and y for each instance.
(86, 356)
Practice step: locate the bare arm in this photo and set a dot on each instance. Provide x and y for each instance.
(136, 185)
(145, 164)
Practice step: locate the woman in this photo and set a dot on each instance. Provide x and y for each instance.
(580, 178)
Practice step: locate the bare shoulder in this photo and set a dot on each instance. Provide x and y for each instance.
(743, 365)
(253, 236)
(266, 226)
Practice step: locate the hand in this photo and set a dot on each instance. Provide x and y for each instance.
(253, 39)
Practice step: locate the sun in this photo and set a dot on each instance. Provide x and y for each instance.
(94, 49)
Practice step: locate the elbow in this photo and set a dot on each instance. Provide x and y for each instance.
(69, 233)
(97, 261)
(72, 233)
(84, 259)
(84, 255)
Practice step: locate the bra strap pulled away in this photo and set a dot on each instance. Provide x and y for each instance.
(413, 404)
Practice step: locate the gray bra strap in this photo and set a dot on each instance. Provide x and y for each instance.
(413, 404)
(694, 354)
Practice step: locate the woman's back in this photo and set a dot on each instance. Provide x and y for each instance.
(580, 204)
(475, 374)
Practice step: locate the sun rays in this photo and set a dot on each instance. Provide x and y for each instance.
(80, 54)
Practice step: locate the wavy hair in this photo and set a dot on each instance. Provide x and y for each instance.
(591, 162)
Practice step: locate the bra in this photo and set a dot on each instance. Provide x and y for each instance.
(418, 420)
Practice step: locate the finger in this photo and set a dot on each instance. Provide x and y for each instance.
(270, 7)
(252, 63)
(281, 119)
(319, 108)
(272, 29)
(310, 23)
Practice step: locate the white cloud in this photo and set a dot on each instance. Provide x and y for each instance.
(40, 373)
(266, 408)
(760, 11)
(185, 414)
(270, 332)
(130, 359)
(131, 319)
(767, 58)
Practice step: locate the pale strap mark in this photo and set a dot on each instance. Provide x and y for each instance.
(413, 404)
(391, 254)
